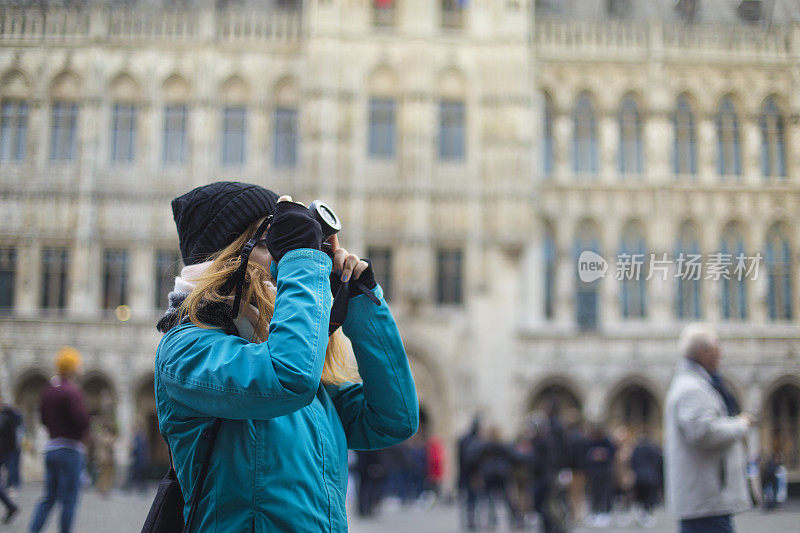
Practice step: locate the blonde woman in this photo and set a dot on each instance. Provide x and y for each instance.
(289, 404)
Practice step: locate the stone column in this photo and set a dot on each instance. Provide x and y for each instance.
(751, 149)
(706, 148)
(608, 145)
(566, 274)
(758, 289)
(142, 285)
(562, 145)
(27, 280)
(610, 289)
(533, 280)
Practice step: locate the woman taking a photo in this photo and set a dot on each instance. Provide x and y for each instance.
(289, 405)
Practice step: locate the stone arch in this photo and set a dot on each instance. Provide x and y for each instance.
(735, 99)
(100, 394)
(124, 88)
(27, 388)
(637, 98)
(782, 227)
(691, 99)
(689, 229)
(779, 99)
(286, 91)
(780, 428)
(15, 84)
(432, 392)
(558, 388)
(234, 90)
(176, 89)
(452, 83)
(383, 81)
(65, 86)
(733, 228)
(588, 232)
(635, 402)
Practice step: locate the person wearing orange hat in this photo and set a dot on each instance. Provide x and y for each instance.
(64, 414)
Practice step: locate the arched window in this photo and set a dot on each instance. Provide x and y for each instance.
(14, 94)
(734, 290)
(685, 146)
(174, 141)
(382, 115)
(13, 129)
(631, 156)
(234, 123)
(550, 264)
(584, 141)
(548, 144)
(779, 270)
(632, 278)
(587, 293)
(773, 140)
(729, 153)
(286, 126)
(124, 119)
(688, 260)
(64, 95)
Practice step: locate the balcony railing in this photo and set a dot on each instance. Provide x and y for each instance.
(557, 39)
(32, 25)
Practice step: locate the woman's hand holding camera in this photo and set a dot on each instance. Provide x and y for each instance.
(292, 227)
(348, 267)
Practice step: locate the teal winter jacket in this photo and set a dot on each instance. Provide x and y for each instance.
(280, 458)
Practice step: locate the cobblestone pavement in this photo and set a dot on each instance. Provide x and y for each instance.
(121, 512)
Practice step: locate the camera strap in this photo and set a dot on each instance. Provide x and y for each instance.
(342, 298)
(237, 279)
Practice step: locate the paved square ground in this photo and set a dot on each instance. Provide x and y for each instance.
(121, 512)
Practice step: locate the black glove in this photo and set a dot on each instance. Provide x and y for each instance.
(292, 227)
(362, 285)
(343, 291)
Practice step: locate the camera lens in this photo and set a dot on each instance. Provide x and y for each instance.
(326, 217)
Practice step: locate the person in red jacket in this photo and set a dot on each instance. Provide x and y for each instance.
(435, 464)
(64, 414)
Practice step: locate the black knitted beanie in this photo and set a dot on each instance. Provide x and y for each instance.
(212, 216)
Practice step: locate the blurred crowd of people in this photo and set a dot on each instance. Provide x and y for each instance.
(558, 472)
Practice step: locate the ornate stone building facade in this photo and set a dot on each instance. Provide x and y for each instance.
(473, 152)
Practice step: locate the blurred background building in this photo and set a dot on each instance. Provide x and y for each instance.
(473, 149)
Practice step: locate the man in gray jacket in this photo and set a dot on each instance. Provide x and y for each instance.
(704, 457)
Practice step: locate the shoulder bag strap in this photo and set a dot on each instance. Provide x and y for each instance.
(209, 435)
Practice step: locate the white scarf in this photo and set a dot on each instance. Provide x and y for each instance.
(248, 315)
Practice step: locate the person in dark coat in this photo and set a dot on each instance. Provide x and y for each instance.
(599, 467)
(371, 476)
(469, 447)
(67, 421)
(495, 463)
(646, 465)
(10, 420)
(140, 460)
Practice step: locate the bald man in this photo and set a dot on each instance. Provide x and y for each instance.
(704, 457)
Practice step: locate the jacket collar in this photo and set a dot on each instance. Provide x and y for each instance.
(688, 365)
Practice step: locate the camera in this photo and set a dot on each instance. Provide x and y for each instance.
(322, 213)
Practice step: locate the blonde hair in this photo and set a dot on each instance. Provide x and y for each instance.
(337, 368)
(68, 359)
